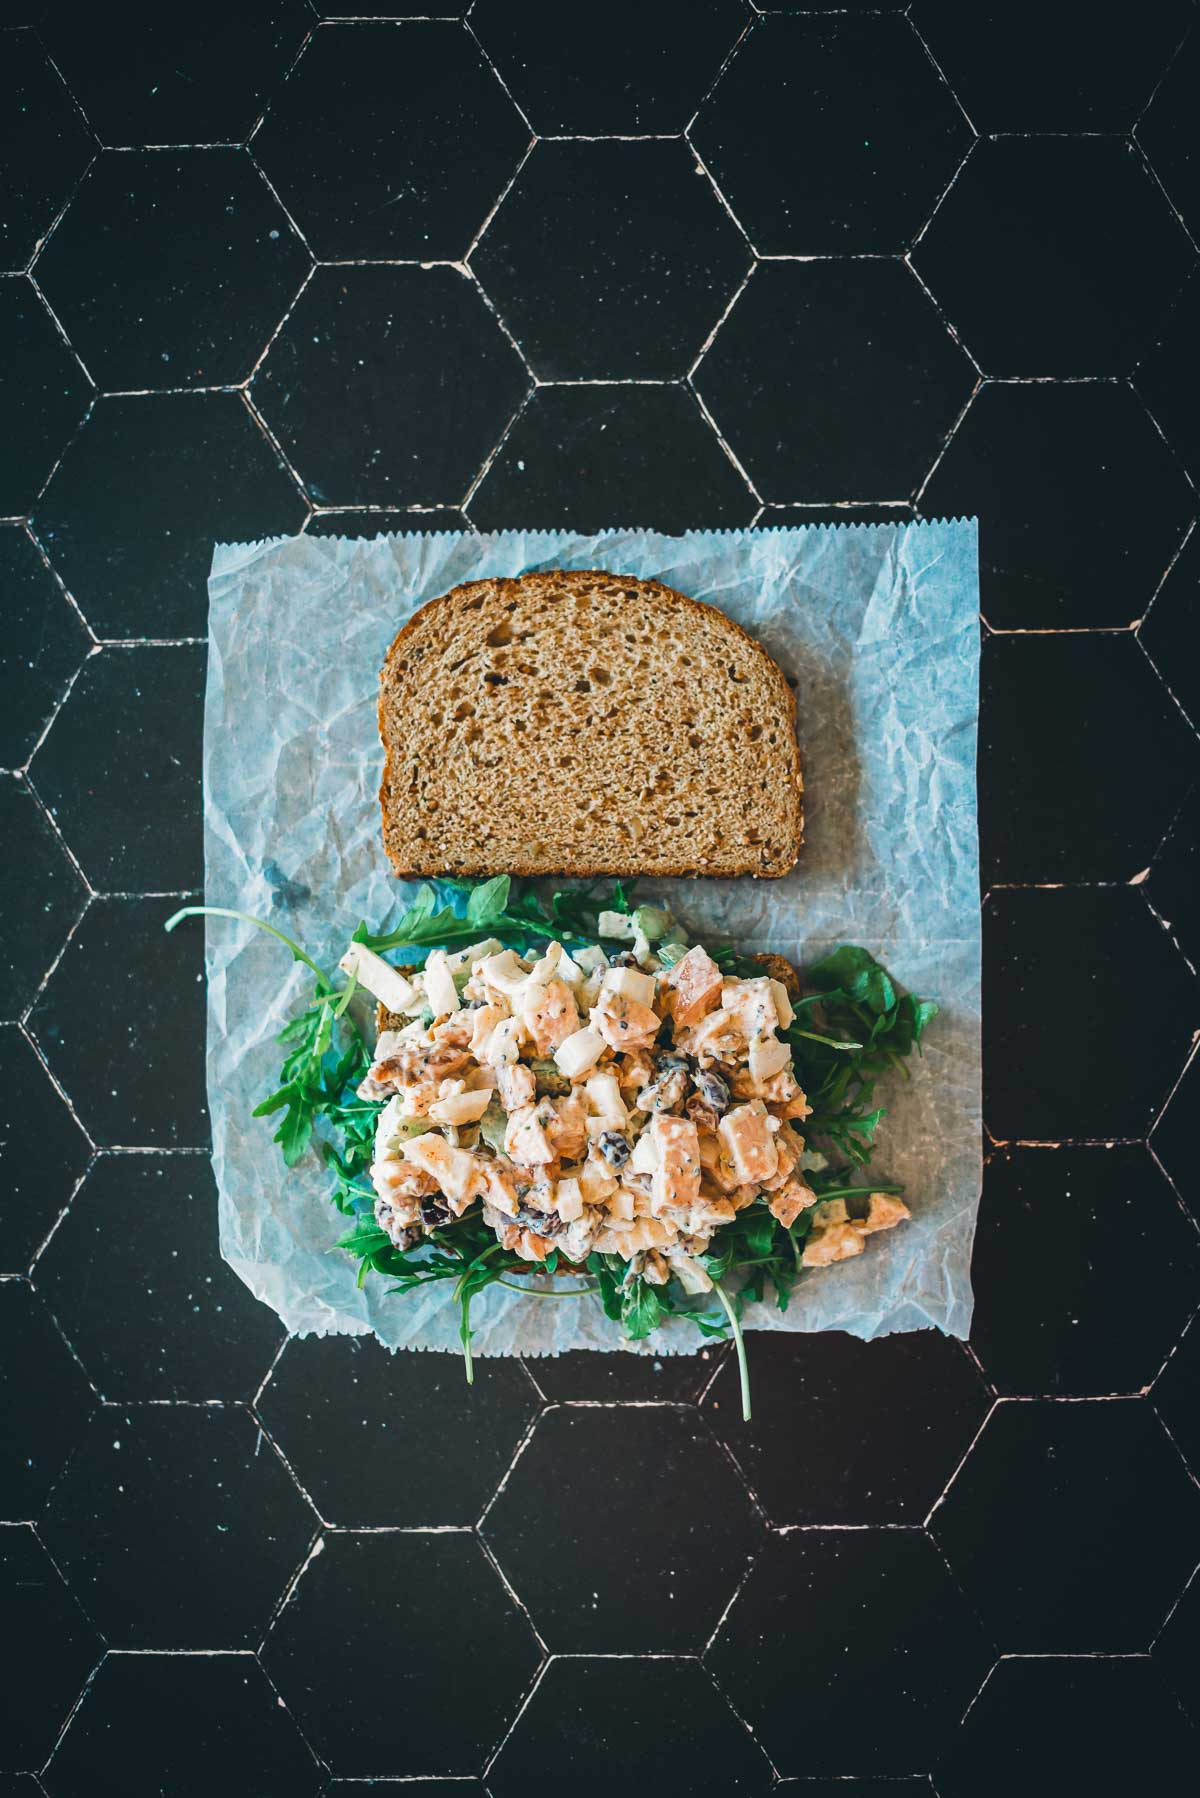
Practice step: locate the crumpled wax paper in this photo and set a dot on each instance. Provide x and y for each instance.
(878, 625)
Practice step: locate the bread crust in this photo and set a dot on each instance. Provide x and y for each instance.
(579, 580)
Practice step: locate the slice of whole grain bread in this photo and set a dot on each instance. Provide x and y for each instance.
(585, 723)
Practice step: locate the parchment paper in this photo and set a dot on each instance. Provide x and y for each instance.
(879, 627)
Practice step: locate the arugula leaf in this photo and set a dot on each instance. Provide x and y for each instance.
(641, 1309)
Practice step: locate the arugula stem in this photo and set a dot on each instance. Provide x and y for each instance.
(223, 911)
(740, 1345)
(858, 1192)
(532, 1292)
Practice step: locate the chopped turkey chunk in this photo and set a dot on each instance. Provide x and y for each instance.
(747, 1140)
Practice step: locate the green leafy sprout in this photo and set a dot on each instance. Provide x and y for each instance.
(852, 1027)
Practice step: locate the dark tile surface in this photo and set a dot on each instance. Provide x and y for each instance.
(849, 1432)
(608, 70)
(1169, 633)
(1177, 1651)
(1045, 1727)
(676, 1734)
(1074, 1570)
(1167, 132)
(1057, 800)
(587, 457)
(391, 141)
(41, 896)
(42, 1151)
(44, 1401)
(863, 378)
(122, 1062)
(611, 260)
(119, 769)
(837, 1615)
(58, 1646)
(831, 134)
(1105, 1261)
(146, 74)
(1082, 504)
(1171, 1138)
(171, 270)
(1166, 375)
(131, 516)
(1174, 885)
(177, 1526)
(1054, 255)
(1101, 954)
(377, 1438)
(602, 1569)
(350, 523)
(174, 1321)
(43, 644)
(389, 386)
(188, 1724)
(1020, 66)
(46, 146)
(1177, 1396)
(422, 1617)
(582, 1374)
(43, 395)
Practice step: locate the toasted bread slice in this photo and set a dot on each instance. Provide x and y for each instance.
(585, 723)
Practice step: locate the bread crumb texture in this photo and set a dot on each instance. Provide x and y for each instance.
(585, 723)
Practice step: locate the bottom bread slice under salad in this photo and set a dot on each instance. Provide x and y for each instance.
(570, 1095)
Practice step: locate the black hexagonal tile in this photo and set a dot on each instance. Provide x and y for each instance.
(1177, 1650)
(583, 1374)
(365, 177)
(135, 1068)
(380, 1438)
(1168, 633)
(1167, 131)
(413, 1788)
(172, 270)
(1176, 1396)
(834, 380)
(1059, 799)
(131, 516)
(871, 1629)
(44, 1401)
(675, 1730)
(623, 1529)
(1171, 1138)
(20, 1785)
(149, 75)
(1054, 255)
(1044, 1727)
(611, 70)
(917, 1787)
(43, 644)
(1086, 75)
(1106, 1264)
(1073, 1569)
(595, 456)
(1082, 503)
(426, 1618)
(389, 386)
(172, 1322)
(790, 517)
(43, 395)
(1167, 374)
(831, 134)
(1062, 969)
(46, 147)
(609, 259)
(42, 1151)
(187, 1724)
(351, 522)
(1174, 884)
(41, 896)
(52, 1646)
(177, 1526)
(849, 1432)
(128, 800)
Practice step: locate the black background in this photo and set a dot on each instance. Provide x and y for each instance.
(663, 264)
